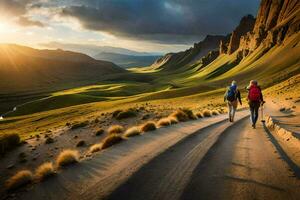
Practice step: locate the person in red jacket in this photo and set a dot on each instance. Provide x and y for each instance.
(255, 99)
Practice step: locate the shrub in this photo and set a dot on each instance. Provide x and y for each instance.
(19, 179)
(207, 113)
(164, 122)
(215, 112)
(22, 157)
(49, 140)
(220, 111)
(189, 113)
(8, 141)
(111, 140)
(115, 113)
(173, 120)
(96, 147)
(282, 109)
(80, 143)
(148, 126)
(180, 116)
(133, 131)
(80, 125)
(44, 171)
(67, 157)
(116, 129)
(199, 115)
(100, 131)
(125, 114)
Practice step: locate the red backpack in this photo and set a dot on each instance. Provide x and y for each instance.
(254, 93)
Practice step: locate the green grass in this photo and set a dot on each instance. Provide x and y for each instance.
(191, 86)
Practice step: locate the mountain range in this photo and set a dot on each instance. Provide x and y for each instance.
(261, 47)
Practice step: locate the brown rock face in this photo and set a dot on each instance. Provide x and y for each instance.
(175, 60)
(223, 47)
(276, 20)
(246, 25)
(211, 56)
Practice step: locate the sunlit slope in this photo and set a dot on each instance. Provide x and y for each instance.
(276, 64)
(103, 92)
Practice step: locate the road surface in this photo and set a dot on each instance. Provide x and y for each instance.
(242, 164)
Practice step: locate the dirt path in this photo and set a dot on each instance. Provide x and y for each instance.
(97, 177)
(242, 164)
(203, 159)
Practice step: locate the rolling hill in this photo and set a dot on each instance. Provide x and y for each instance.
(265, 48)
(30, 72)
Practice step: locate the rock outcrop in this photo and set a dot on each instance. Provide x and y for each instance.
(275, 21)
(195, 53)
(211, 56)
(246, 25)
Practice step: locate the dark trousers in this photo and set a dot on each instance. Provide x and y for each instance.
(254, 107)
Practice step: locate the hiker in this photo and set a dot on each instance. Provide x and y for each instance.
(232, 96)
(255, 99)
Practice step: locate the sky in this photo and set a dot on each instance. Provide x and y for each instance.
(141, 25)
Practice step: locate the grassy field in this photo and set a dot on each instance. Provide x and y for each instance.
(186, 86)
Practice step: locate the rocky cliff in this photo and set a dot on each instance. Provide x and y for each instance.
(276, 20)
(175, 60)
(246, 25)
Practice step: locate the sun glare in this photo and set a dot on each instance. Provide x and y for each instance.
(6, 28)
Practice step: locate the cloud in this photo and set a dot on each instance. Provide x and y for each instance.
(159, 21)
(166, 21)
(18, 11)
(24, 21)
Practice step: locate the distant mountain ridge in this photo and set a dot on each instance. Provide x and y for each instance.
(24, 68)
(174, 60)
(93, 50)
(277, 21)
(127, 60)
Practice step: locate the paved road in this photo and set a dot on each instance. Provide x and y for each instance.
(242, 164)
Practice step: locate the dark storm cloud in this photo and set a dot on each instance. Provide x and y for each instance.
(18, 9)
(166, 21)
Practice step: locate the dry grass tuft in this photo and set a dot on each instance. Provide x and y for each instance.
(111, 140)
(8, 141)
(215, 112)
(80, 125)
(189, 113)
(126, 114)
(207, 113)
(67, 157)
(133, 131)
(100, 131)
(173, 120)
(95, 148)
(180, 116)
(148, 126)
(44, 171)
(164, 122)
(116, 129)
(199, 115)
(21, 178)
